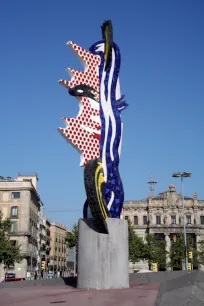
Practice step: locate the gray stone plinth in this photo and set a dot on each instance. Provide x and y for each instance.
(102, 258)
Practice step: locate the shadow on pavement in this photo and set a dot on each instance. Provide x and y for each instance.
(70, 281)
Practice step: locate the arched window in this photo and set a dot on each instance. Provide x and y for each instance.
(188, 219)
(173, 219)
(14, 212)
(145, 220)
(136, 220)
(202, 220)
(158, 219)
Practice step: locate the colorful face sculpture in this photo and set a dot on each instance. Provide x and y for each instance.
(97, 130)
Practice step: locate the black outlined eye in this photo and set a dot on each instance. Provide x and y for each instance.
(83, 90)
(80, 91)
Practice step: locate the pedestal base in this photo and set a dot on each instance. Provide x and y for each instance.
(102, 258)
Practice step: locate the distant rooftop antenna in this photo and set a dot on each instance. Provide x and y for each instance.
(152, 185)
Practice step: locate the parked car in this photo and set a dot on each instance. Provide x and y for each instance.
(11, 277)
(50, 274)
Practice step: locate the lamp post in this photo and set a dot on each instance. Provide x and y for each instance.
(182, 175)
(74, 261)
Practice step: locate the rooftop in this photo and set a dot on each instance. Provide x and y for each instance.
(161, 196)
(7, 178)
(62, 226)
(28, 174)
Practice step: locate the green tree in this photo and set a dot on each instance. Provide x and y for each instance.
(198, 255)
(177, 252)
(71, 238)
(9, 254)
(150, 249)
(201, 252)
(136, 245)
(155, 251)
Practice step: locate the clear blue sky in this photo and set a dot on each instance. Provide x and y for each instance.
(162, 76)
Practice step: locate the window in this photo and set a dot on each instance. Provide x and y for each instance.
(15, 195)
(13, 243)
(173, 219)
(14, 211)
(126, 218)
(202, 220)
(135, 220)
(158, 219)
(14, 227)
(159, 236)
(144, 220)
(188, 219)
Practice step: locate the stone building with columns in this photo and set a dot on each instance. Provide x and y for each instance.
(162, 216)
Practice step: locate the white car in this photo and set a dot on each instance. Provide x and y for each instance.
(50, 274)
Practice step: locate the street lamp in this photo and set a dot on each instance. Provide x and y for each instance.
(182, 175)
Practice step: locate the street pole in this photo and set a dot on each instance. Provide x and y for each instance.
(184, 226)
(31, 263)
(74, 261)
(182, 175)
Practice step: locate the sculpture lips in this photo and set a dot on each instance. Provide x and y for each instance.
(97, 136)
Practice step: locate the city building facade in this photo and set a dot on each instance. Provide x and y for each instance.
(58, 249)
(163, 216)
(44, 245)
(21, 203)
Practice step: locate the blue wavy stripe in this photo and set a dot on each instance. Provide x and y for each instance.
(114, 183)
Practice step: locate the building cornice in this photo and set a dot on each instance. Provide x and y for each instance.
(22, 188)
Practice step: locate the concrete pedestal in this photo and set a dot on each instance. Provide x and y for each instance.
(102, 258)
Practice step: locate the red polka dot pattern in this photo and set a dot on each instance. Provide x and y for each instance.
(79, 130)
(90, 76)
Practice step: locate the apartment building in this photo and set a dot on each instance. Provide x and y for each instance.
(45, 242)
(163, 216)
(20, 201)
(58, 250)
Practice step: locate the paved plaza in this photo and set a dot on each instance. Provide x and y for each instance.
(63, 295)
(177, 288)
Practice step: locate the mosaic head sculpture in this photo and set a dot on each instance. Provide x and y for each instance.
(96, 132)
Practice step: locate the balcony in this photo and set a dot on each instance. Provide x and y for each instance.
(27, 253)
(173, 228)
(42, 237)
(43, 248)
(23, 233)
